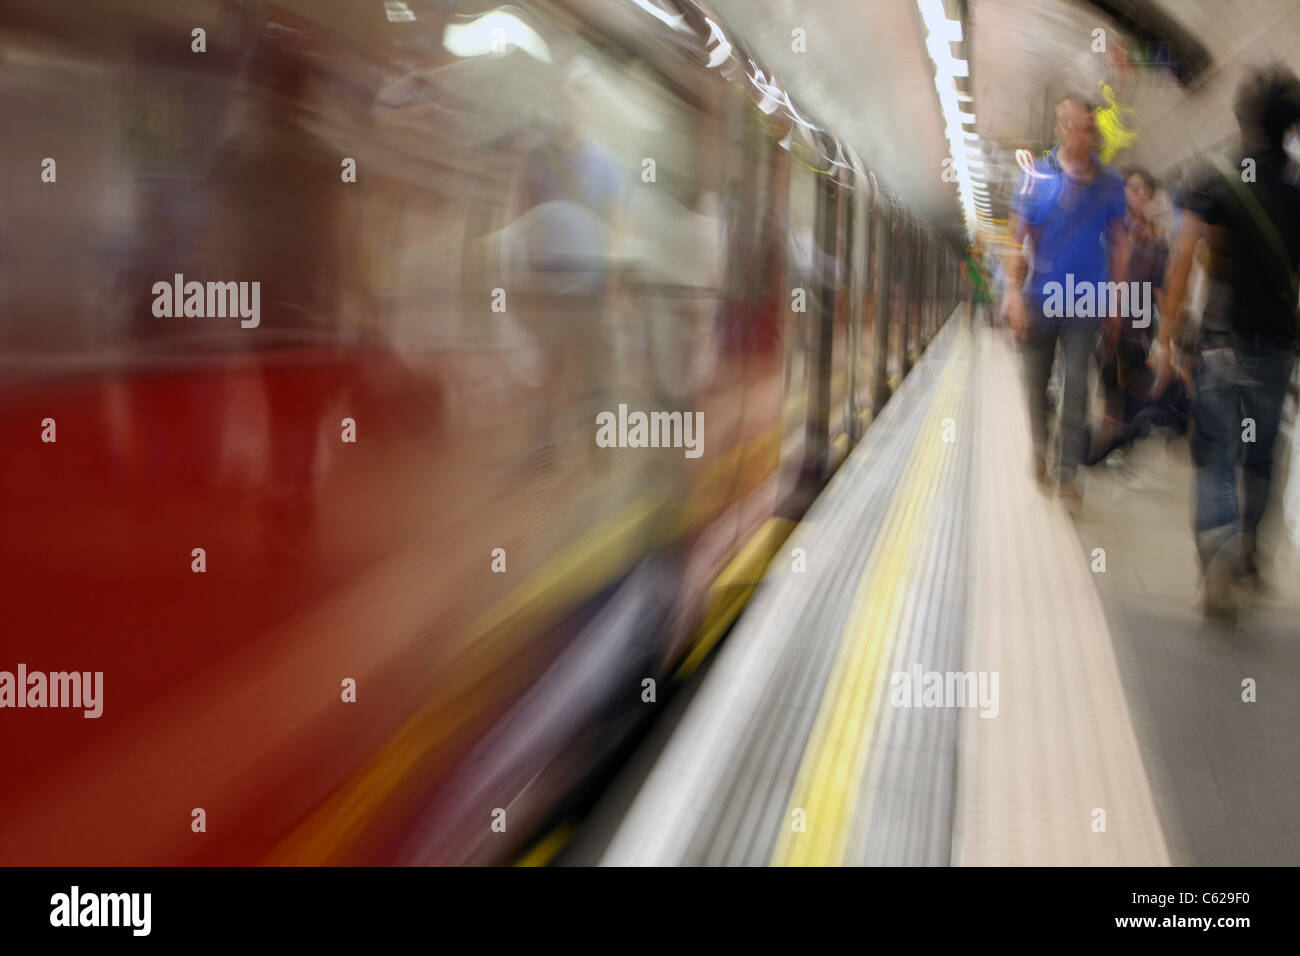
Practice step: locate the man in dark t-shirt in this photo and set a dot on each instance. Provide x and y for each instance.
(1250, 216)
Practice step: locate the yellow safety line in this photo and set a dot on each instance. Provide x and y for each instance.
(828, 785)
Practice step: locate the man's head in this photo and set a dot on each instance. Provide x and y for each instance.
(1267, 105)
(1076, 127)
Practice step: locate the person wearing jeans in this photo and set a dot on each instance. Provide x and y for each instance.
(1249, 328)
(1240, 391)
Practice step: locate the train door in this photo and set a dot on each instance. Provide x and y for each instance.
(881, 292)
(777, 374)
(900, 307)
(915, 287)
(836, 320)
(927, 296)
(803, 255)
(859, 233)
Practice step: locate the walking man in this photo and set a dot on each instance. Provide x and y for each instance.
(1249, 213)
(1071, 209)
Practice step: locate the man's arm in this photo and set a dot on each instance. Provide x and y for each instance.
(1162, 268)
(1117, 250)
(1015, 268)
(1191, 230)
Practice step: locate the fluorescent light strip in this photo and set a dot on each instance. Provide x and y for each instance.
(940, 34)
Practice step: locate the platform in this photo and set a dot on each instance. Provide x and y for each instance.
(1115, 732)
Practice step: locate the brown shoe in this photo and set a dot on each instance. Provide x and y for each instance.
(1072, 497)
(1043, 477)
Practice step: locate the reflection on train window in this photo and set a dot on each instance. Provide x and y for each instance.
(802, 282)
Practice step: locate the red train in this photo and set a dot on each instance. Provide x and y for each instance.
(333, 526)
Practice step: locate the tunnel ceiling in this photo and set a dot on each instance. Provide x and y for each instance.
(867, 75)
(1024, 54)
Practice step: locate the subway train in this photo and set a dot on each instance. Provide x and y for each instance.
(310, 313)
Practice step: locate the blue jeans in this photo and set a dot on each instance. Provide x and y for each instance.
(1233, 387)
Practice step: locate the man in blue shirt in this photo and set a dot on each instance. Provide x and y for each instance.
(1071, 208)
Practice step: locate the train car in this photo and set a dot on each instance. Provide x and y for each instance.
(324, 332)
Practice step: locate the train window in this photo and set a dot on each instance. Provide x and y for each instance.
(135, 141)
